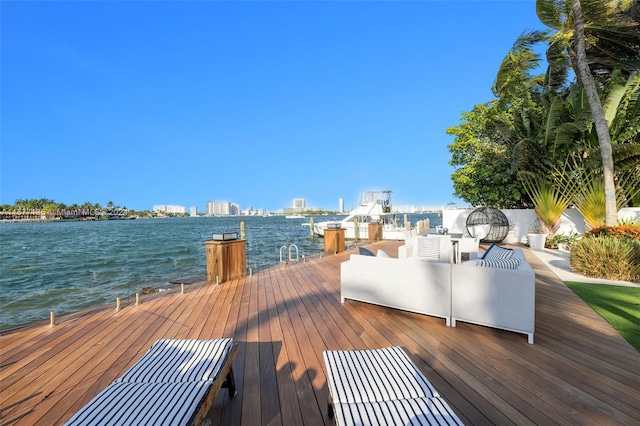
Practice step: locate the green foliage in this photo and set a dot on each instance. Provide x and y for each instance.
(569, 240)
(549, 203)
(590, 203)
(535, 123)
(484, 175)
(618, 305)
(607, 257)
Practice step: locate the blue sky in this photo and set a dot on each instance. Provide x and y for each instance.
(257, 102)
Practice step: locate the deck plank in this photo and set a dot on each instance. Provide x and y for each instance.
(579, 371)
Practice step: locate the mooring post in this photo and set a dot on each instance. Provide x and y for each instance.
(137, 299)
(243, 230)
(117, 304)
(311, 229)
(53, 319)
(181, 288)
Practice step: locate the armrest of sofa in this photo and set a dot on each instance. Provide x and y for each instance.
(406, 250)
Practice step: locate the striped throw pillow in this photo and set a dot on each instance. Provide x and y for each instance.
(510, 263)
(497, 252)
(429, 247)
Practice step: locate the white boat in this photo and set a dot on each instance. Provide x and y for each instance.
(375, 207)
(294, 216)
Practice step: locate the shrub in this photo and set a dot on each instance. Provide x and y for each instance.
(567, 239)
(621, 231)
(607, 257)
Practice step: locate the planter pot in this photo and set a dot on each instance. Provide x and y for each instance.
(536, 241)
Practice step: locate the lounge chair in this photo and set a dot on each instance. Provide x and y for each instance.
(382, 387)
(174, 383)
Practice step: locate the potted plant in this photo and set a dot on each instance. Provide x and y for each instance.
(536, 236)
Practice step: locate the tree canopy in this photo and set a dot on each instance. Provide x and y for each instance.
(540, 120)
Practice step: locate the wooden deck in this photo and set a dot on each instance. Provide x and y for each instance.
(579, 371)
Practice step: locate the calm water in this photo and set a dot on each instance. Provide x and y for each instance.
(69, 266)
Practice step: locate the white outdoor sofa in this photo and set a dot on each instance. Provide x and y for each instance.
(495, 297)
(422, 287)
(490, 296)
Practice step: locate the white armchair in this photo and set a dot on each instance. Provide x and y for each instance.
(470, 245)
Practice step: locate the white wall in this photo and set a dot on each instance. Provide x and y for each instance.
(520, 220)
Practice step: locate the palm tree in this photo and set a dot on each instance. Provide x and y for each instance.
(614, 41)
(581, 66)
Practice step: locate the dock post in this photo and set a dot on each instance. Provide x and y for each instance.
(181, 288)
(117, 304)
(243, 230)
(53, 319)
(311, 231)
(137, 299)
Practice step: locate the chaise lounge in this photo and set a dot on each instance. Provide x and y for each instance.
(382, 387)
(175, 383)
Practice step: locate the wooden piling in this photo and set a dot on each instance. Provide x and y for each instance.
(117, 304)
(312, 233)
(243, 230)
(137, 299)
(53, 319)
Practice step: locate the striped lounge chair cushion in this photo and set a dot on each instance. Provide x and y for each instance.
(416, 411)
(187, 360)
(139, 404)
(374, 375)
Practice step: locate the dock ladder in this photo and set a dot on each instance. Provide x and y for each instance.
(288, 250)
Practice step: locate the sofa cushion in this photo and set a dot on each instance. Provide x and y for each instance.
(509, 263)
(429, 248)
(382, 253)
(496, 252)
(365, 252)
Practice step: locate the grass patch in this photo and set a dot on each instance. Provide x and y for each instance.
(619, 305)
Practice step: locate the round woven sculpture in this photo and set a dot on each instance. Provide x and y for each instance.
(490, 224)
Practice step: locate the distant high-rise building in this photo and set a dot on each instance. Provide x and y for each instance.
(340, 205)
(193, 211)
(299, 203)
(222, 208)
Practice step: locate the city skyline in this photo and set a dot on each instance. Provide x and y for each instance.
(293, 208)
